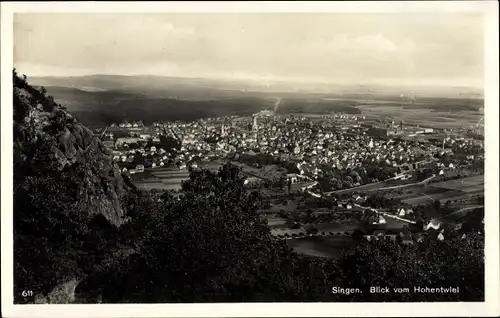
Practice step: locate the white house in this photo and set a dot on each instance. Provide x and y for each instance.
(401, 212)
(381, 220)
(434, 224)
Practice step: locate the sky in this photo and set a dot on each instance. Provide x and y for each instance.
(412, 48)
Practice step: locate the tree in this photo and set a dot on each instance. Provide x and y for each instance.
(357, 235)
(47, 234)
(281, 182)
(431, 263)
(210, 242)
(169, 143)
(437, 206)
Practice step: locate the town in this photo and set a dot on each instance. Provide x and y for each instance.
(338, 175)
(250, 156)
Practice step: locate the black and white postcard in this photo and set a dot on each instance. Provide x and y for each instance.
(250, 159)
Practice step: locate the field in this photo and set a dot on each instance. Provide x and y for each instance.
(319, 246)
(162, 179)
(157, 186)
(276, 222)
(391, 224)
(421, 197)
(370, 187)
(451, 190)
(469, 184)
(424, 116)
(338, 227)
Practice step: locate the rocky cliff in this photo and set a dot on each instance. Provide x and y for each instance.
(49, 141)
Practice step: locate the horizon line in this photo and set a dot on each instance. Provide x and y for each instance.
(400, 82)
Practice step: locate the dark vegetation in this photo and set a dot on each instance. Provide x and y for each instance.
(104, 108)
(260, 160)
(206, 243)
(117, 105)
(64, 186)
(211, 245)
(335, 179)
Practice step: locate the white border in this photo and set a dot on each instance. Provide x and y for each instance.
(489, 308)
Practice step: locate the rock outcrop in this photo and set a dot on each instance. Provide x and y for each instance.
(47, 139)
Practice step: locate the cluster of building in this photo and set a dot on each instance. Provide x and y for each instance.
(338, 141)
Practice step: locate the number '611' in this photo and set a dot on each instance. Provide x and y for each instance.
(27, 293)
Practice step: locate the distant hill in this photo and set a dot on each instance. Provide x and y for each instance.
(104, 99)
(196, 87)
(148, 84)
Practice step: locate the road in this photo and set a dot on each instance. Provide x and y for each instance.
(385, 214)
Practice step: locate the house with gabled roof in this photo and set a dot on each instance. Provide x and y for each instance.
(401, 212)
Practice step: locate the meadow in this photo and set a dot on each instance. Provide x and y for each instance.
(426, 115)
(450, 190)
(321, 246)
(162, 179)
